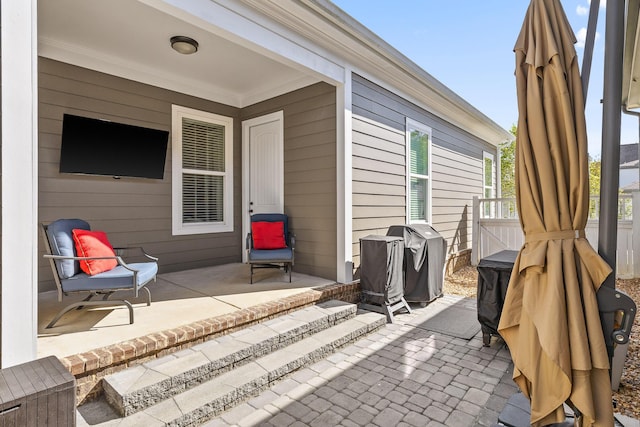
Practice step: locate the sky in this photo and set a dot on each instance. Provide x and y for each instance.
(468, 46)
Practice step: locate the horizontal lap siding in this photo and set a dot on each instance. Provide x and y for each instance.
(379, 167)
(309, 173)
(134, 212)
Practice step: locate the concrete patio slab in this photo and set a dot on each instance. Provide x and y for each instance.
(178, 298)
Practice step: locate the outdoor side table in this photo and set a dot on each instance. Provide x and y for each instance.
(37, 393)
(494, 273)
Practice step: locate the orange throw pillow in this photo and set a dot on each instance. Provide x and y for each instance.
(93, 244)
(268, 235)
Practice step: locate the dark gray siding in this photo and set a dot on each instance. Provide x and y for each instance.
(310, 173)
(379, 122)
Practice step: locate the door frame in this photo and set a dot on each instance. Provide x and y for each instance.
(246, 124)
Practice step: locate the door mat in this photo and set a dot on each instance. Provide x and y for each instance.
(457, 322)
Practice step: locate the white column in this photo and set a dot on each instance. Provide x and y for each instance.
(344, 180)
(19, 321)
(475, 231)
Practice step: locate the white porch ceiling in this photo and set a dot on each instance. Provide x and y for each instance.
(131, 39)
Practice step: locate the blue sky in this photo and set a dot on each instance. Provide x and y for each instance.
(468, 46)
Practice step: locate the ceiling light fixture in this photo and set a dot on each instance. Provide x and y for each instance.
(183, 44)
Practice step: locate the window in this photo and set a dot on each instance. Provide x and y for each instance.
(418, 172)
(202, 172)
(488, 183)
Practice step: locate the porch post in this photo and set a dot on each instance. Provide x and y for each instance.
(19, 60)
(475, 231)
(344, 181)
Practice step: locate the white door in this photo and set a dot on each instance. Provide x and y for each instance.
(263, 166)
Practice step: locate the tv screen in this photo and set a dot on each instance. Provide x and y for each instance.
(101, 147)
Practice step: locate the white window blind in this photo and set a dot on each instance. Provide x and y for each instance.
(202, 172)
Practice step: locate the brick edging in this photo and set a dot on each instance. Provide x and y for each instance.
(91, 366)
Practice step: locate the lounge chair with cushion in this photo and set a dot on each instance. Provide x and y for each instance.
(270, 244)
(83, 261)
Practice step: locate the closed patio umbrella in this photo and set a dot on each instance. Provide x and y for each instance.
(550, 318)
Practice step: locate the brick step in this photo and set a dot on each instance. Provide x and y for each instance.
(201, 402)
(142, 386)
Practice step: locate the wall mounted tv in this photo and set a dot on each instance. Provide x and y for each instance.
(100, 147)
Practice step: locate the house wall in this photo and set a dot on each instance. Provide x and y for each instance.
(137, 212)
(310, 173)
(379, 168)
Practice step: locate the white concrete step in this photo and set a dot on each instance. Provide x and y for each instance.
(143, 386)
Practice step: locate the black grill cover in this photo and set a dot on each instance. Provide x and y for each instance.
(494, 272)
(424, 256)
(381, 269)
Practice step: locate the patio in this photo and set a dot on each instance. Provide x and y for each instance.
(188, 307)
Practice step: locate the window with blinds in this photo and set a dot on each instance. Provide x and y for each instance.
(202, 172)
(418, 172)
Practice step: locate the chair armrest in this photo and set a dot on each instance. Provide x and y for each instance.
(119, 251)
(86, 258)
(82, 258)
(292, 240)
(249, 242)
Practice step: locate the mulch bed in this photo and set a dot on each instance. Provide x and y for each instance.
(464, 282)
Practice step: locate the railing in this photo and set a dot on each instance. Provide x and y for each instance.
(496, 227)
(506, 208)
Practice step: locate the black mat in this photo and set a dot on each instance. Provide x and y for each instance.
(455, 321)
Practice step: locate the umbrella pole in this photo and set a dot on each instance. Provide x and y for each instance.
(611, 118)
(610, 162)
(588, 47)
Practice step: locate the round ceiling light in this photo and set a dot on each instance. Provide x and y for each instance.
(183, 44)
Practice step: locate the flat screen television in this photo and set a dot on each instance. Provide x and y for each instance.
(100, 147)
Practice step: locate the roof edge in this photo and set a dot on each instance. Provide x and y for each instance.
(347, 39)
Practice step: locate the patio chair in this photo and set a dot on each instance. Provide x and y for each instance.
(269, 243)
(103, 271)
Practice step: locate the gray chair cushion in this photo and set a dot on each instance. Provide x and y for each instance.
(271, 255)
(116, 278)
(61, 241)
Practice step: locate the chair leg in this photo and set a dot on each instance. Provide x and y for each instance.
(289, 268)
(251, 275)
(90, 303)
(148, 295)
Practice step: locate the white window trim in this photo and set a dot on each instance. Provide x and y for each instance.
(491, 211)
(178, 227)
(412, 124)
(494, 175)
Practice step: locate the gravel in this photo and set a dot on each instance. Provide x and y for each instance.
(464, 282)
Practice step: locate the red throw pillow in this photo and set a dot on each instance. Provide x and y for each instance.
(93, 244)
(268, 235)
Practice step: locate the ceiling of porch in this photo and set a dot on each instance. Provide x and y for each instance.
(131, 39)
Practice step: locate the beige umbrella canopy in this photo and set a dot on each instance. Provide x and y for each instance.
(550, 318)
